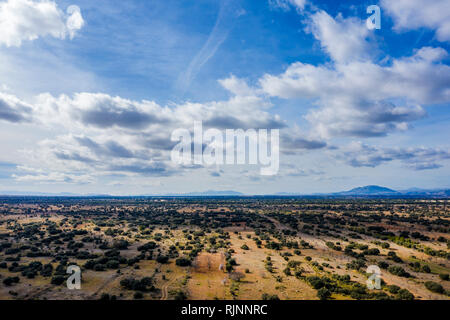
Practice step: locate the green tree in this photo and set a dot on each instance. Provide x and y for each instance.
(323, 293)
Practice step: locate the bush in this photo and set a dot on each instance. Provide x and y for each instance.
(266, 296)
(12, 251)
(138, 295)
(57, 280)
(105, 296)
(293, 264)
(89, 264)
(434, 287)
(356, 264)
(99, 267)
(121, 245)
(148, 246)
(136, 285)
(323, 294)
(393, 289)
(183, 262)
(404, 294)
(426, 269)
(372, 252)
(112, 264)
(315, 282)
(10, 281)
(398, 271)
(244, 247)
(180, 295)
(162, 259)
(444, 276)
(47, 270)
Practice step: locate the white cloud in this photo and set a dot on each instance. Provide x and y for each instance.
(14, 110)
(102, 111)
(54, 177)
(414, 14)
(101, 134)
(26, 20)
(343, 39)
(237, 86)
(356, 95)
(286, 4)
(294, 141)
(358, 154)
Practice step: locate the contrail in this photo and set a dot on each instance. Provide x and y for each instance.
(227, 14)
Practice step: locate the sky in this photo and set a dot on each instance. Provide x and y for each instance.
(91, 92)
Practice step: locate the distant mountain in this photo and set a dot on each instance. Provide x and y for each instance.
(208, 193)
(429, 193)
(369, 191)
(383, 191)
(287, 194)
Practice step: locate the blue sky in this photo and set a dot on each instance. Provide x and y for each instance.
(90, 96)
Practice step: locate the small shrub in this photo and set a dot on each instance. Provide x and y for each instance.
(434, 287)
(444, 276)
(323, 294)
(404, 294)
(57, 280)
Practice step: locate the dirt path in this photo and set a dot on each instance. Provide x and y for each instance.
(108, 281)
(38, 293)
(165, 289)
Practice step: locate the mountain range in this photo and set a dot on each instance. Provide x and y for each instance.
(369, 191)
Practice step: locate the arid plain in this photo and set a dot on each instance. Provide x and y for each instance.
(224, 248)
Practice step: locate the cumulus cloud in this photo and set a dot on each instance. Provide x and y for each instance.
(14, 110)
(414, 14)
(107, 135)
(54, 177)
(358, 154)
(294, 141)
(237, 86)
(287, 4)
(26, 20)
(362, 119)
(292, 171)
(87, 158)
(102, 111)
(158, 169)
(355, 94)
(343, 39)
